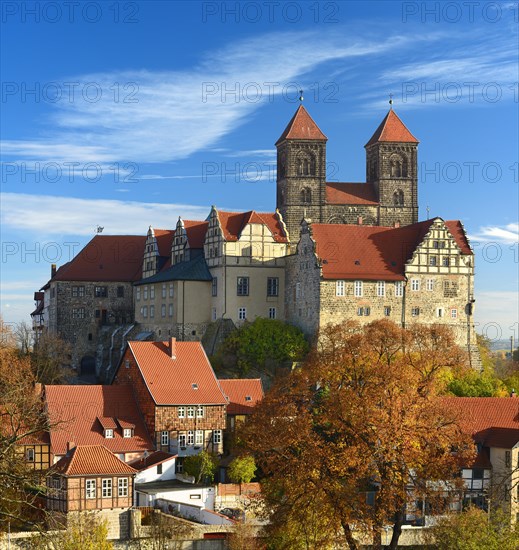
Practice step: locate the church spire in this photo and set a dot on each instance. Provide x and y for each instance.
(392, 129)
(302, 126)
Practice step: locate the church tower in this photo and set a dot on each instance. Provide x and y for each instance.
(301, 172)
(392, 168)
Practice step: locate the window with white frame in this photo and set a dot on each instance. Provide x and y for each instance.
(415, 284)
(145, 311)
(433, 260)
(138, 293)
(242, 313)
(145, 293)
(106, 488)
(217, 436)
(122, 487)
(429, 285)
(454, 313)
(190, 437)
(152, 311)
(181, 440)
(214, 286)
(415, 311)
(381, 288)
(191, 412)
(358, 289)
(181, 412)
(272, 312)
(439, 312)
(170, 310)
(445, 261)
(152, 292)
(127, 432)
(339, 288)
(78, 291)
(29, 455)
(387, 311)
(242, 286)
(399, 289)
(163, 310)
(109, 433)
(171, 290)
(164, 290)
(164, 438)
(200, 411)
(90, 488)
(78, 313)
(199, 437)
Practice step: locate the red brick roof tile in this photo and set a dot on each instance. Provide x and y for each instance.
(243, 394)
(76, 409)
(392, 129)
(188, 379)
(164, 239)
(372, 252)
(106, 258)
(91, 460)
(195, 231)
(350, 193)
(157, 457)
(233, 223)
(302, 126)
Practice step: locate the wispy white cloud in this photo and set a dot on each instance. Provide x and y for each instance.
(53, 215)
(507, 234)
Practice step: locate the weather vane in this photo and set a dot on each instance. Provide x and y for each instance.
(301, 96)
(391, 99)
(428, 209)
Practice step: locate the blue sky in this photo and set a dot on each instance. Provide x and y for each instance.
(128, 114)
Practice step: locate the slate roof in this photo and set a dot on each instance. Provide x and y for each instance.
(373, 252)
(192, 270)
(91, 460)
(106, 258)
(392, 129)
(77, 410)
(243, 394)
(350, 193)
(302, 126)
(188, 379)
(233, 223)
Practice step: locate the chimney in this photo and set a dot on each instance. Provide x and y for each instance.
(396, 224)
(70, 445)
(359, 220)
(52, 270)
(173, 347)
(513, 394)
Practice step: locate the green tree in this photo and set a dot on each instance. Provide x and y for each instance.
(201, 466)
(263, 344)
(474, 530)
(242, 469)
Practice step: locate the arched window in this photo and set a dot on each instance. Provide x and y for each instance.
(306, 195)
(398, 198)
(306, 165)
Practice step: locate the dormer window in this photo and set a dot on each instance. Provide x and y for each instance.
(248, 398)
(194, 386)
(127, 432)
(109, 433)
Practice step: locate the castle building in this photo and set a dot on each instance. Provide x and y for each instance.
(331, 251)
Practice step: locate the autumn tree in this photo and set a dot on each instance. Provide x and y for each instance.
(242, 469)
(21, 417)
(50, 359)
(360, 428)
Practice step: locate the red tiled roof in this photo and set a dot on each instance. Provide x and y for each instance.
(157, 457)
(243, 394)
(164, 239)
(125, 424)
(39, 438)
(370, 252)
(195, 231)
(492, 421)
(233, 223)
(106, 258)
(455, 227)
(107, 423)
(350, 193)
(301, 126)
(392, 129)
(91, 460)
(76, 410)
(188, 379)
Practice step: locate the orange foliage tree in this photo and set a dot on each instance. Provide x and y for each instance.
(359, 431)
